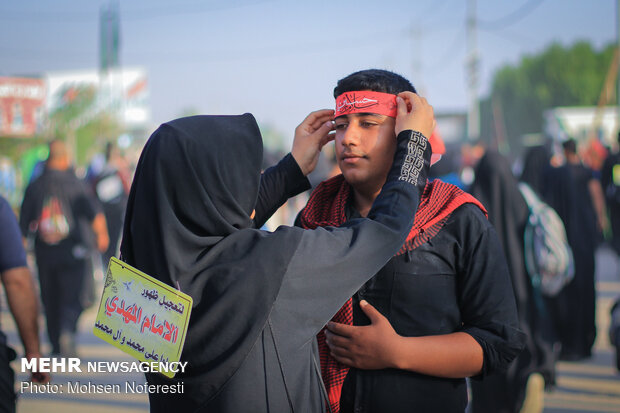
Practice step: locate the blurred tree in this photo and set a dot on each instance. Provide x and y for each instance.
(15, 148)
(274, 143)
(81, 121)
(273, 139)
(189, 111)
(559, 76)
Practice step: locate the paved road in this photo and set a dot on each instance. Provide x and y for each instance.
(90, 349)
(589, 386)
(593, 385)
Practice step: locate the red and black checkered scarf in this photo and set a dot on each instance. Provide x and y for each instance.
(327, 207)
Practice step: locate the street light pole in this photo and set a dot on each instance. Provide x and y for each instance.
(473, 115)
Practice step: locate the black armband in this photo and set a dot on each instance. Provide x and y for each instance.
(412, 159)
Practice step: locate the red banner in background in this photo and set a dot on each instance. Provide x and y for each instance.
(22, 106)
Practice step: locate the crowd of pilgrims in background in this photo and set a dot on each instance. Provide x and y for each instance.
(587, 200)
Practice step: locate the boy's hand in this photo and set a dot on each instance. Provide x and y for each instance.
(364, 347)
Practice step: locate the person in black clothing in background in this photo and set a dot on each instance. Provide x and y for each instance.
(496, 187)
(58, 209)
(610, 181)
(536, 169)
(578, 299)
(442, 309)
(573, 308)
(111, 186)
(593, 204)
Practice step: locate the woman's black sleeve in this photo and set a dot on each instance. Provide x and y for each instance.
(277, 184)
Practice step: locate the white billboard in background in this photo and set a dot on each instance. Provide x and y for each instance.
(562, 123)
(123, 91)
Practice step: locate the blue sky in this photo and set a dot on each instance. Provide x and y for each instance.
(281, 59)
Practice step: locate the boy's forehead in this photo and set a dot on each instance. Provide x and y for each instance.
(361, 115)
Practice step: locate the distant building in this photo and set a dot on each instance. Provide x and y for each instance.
(22, 106)
(452, 126)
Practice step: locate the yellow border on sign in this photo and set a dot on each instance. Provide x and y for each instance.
(148, 281)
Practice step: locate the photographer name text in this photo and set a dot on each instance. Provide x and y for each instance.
(77, 387)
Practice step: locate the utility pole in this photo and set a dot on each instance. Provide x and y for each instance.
(416, 57)
(471, 63)
(110, 94)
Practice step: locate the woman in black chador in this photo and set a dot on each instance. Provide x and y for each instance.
(259, 297)
(496, 187)
(573, 309)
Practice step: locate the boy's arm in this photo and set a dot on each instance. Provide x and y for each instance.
(488, 341)
(378, 346)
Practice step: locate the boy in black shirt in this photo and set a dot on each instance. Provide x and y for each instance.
(442, 309)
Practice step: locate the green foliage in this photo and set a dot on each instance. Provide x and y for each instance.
(559, 76)
(78, 122)
(15, 148)
(273, 140)
(75, 101)
(189, 111)
(92, 137)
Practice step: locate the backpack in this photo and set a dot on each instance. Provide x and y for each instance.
(548, 257)
(53, 224)
(109, 187)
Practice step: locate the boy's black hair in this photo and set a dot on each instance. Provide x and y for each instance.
(377, 80)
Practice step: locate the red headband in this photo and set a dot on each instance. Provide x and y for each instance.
(366, 101)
